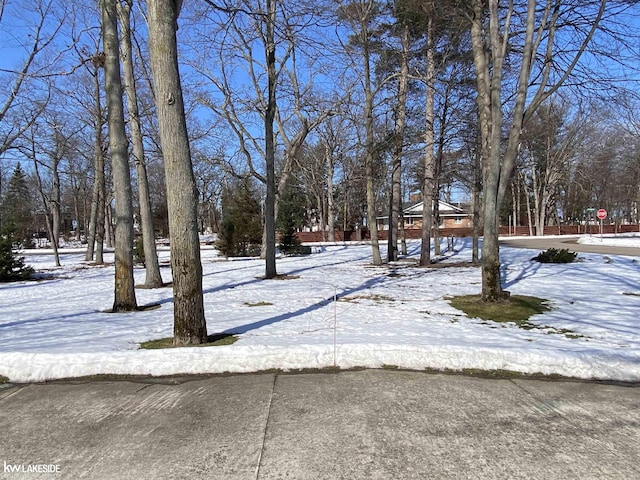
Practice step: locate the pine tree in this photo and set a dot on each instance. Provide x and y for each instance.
(291, 214)
(12, 267)
(241, 226)
(16, 210)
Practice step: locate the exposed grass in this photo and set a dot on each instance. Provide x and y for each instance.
(374, 297)
(517, 309)
(258, 304)
(140, 308)
(282, 276)
(215, 340)
(389, 367)
(498, 374)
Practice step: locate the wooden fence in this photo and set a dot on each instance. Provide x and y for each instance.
(356, 235)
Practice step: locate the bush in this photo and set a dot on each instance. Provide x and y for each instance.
(240, 232)
(554, 255)
(291, 215)
(290, 245)
(138, 251)
(12, 267)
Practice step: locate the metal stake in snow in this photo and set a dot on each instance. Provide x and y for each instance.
(335, 325)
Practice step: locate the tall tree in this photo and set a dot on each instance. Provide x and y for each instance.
(360, 16)
(189, 326)
(95, 229)
(261, 40)
(269, 141)
(395, 197)
(530, 30)
(429, 182)
(153, 278)
(125, 295)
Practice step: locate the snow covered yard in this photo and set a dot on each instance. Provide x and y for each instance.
(333, 308)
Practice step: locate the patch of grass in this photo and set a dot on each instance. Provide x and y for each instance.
(374, 297)
(302, 371)
(517, 309)
(258, 304)
(140, 308)
(497, 374)
(283, 276)
(271, 371)
(215, 340)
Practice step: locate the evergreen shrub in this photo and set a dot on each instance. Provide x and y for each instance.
(12, 266)
(554, 255)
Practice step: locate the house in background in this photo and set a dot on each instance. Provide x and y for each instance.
(451, 216)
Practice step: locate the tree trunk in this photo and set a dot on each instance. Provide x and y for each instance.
(47, 208)
(56, 200)
(109, 234)
(395, 199)
(330, 195)
(475, 257)
(124, 291)
(369, 153)
(76, 212)
(153, 278)
(428, 181)
(489, 99)
(182, 200)
(270, 113)
(98, 166)
(101, 226)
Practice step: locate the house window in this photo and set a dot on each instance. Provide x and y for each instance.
(458, 220)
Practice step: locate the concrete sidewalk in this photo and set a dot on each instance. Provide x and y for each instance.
(543, 243)
(351, 425)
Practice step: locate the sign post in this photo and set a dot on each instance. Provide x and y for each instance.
(601, 214)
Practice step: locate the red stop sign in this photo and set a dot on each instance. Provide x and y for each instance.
(602, 214)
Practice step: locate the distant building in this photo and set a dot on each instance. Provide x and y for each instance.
(451, 216)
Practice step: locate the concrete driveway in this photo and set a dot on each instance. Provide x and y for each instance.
(350, 425)
(570, 243)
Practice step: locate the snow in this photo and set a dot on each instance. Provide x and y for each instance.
(394, 315)
(626, 240)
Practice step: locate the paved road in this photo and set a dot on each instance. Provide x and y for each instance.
(350, 425)
(570, 243)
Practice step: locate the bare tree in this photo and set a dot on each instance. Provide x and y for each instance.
(429, 181)
(153, 278)
(48, 147)
(125, 296)
(189, 320)
(549, 142)
(287, 107)
(360, 16)
(94, 230)
(29, 85)
(395, 197)
(495, 29)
